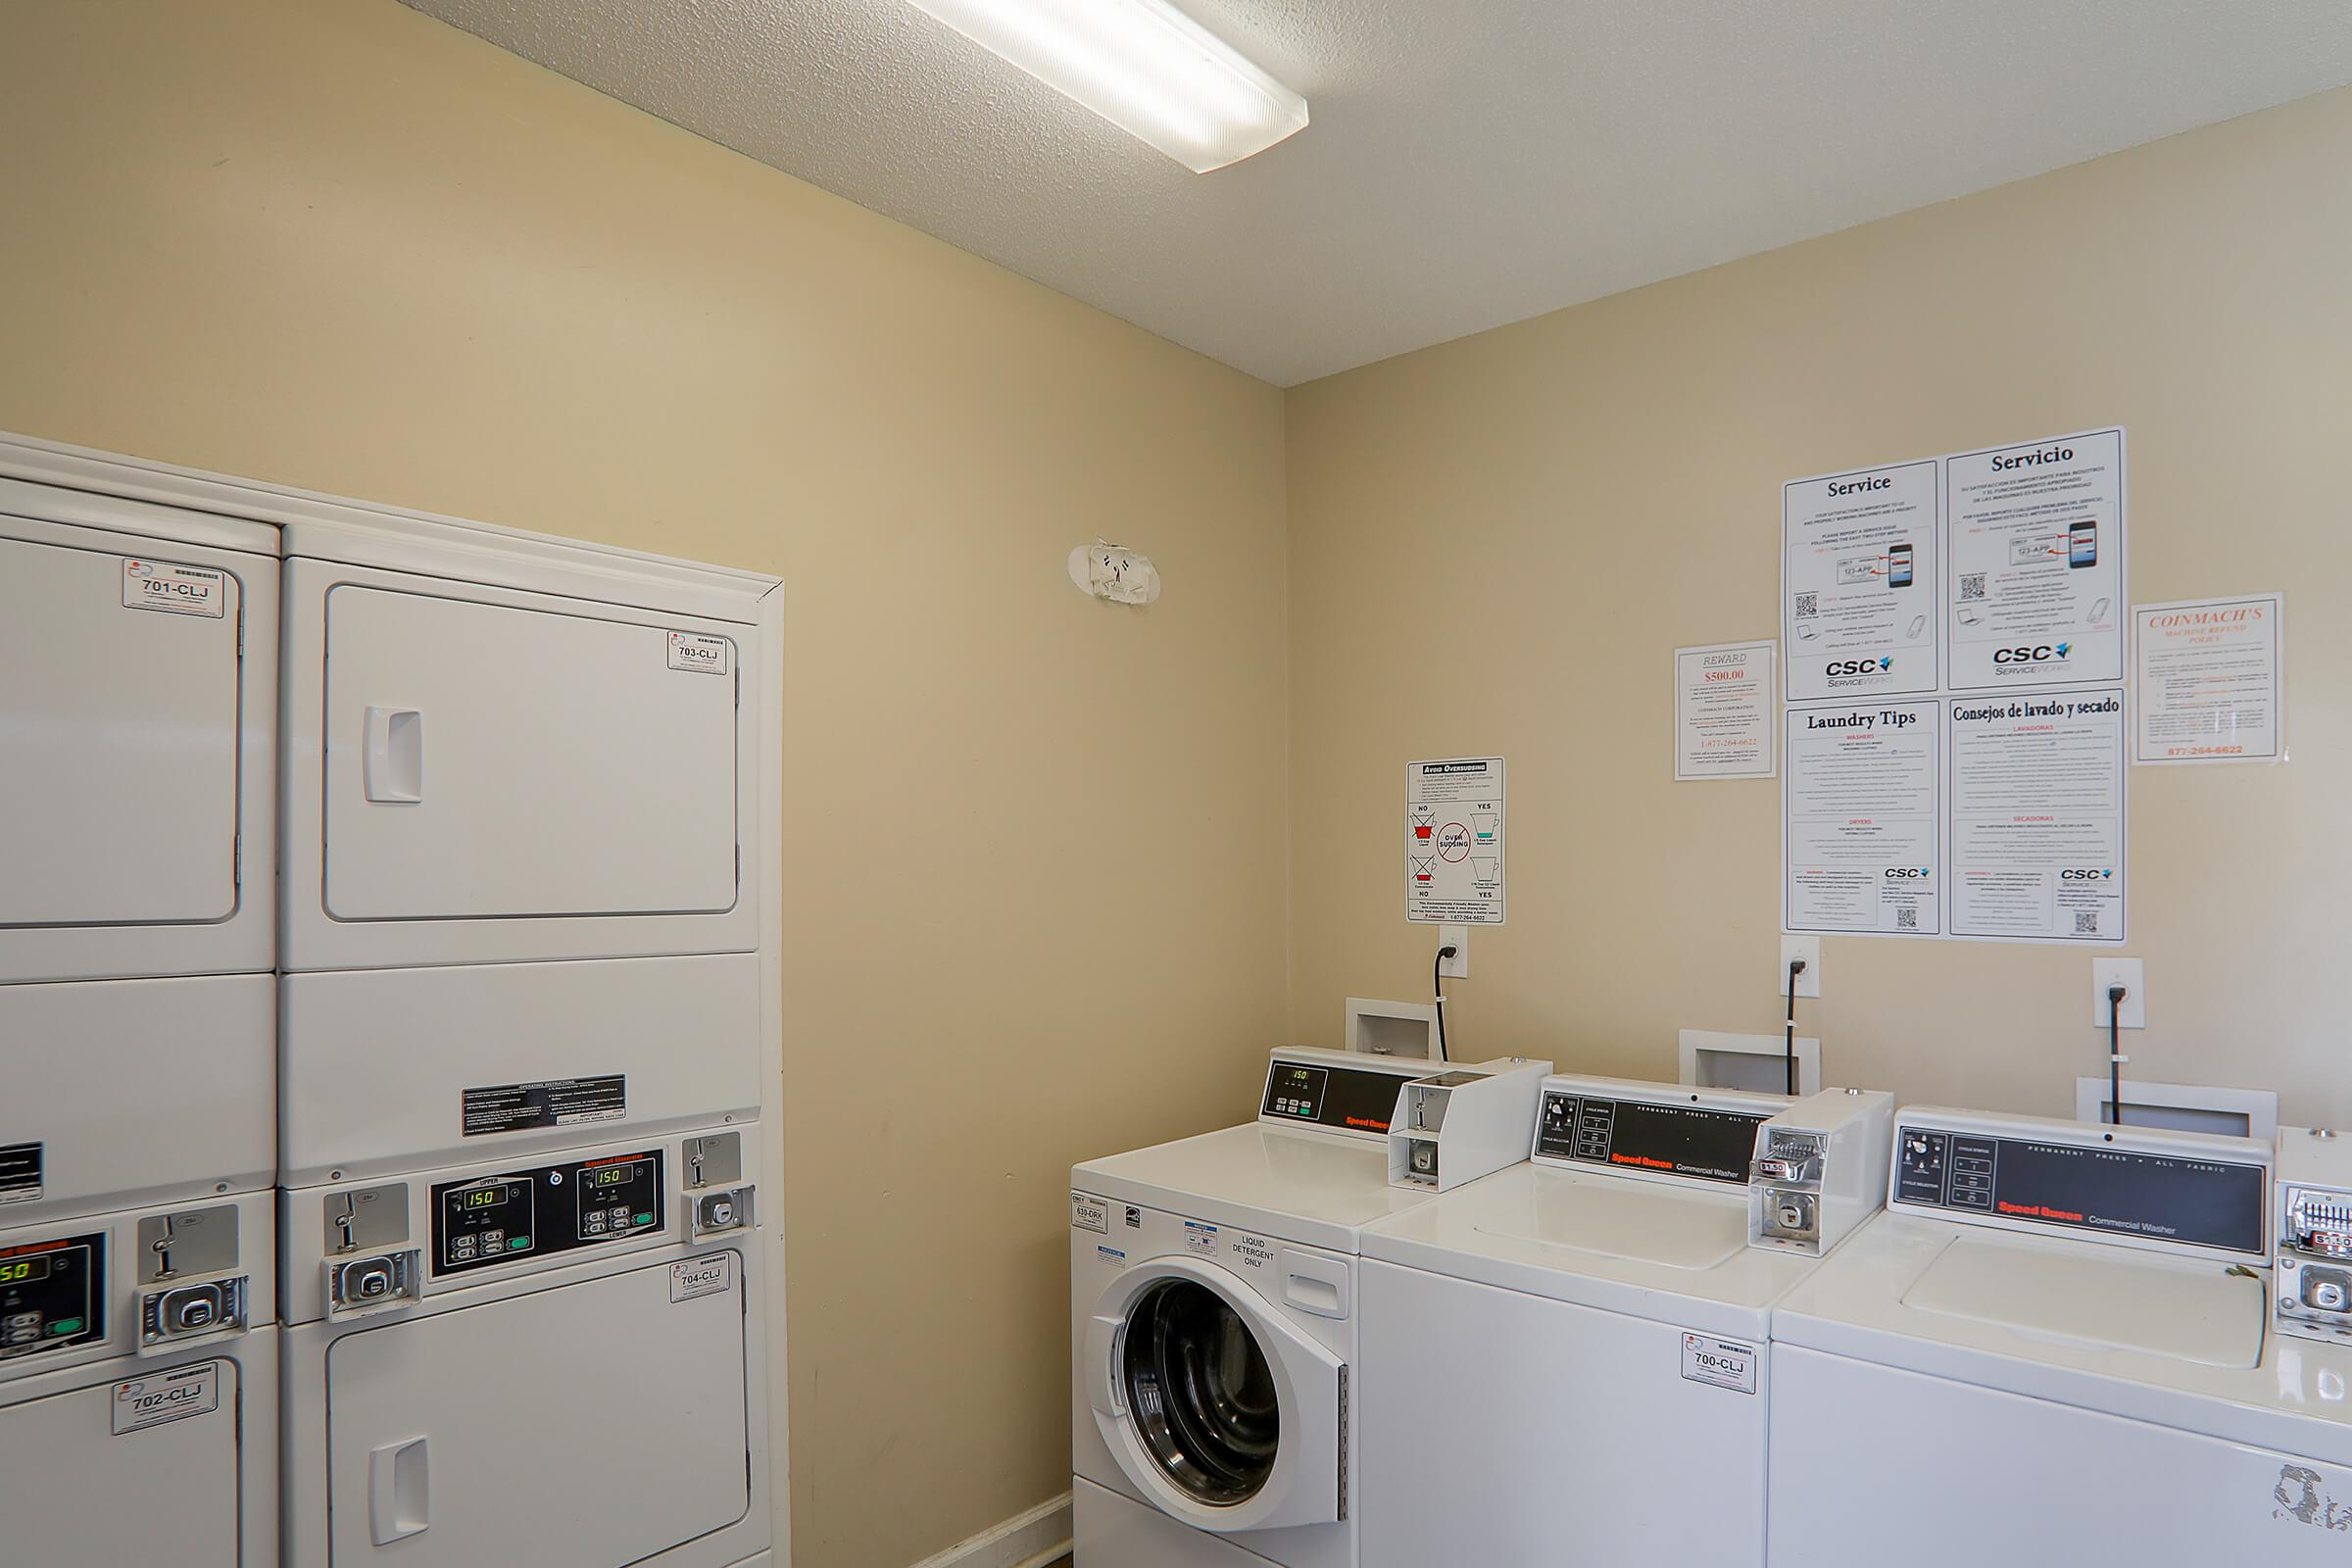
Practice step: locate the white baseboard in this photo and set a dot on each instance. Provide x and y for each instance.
(1028, 1539)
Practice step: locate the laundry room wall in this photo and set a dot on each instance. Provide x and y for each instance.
(1035, 855)
(1497, 545)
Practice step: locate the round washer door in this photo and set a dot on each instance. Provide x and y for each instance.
(1215, 1406)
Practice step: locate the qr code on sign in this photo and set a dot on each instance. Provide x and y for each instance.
(1906, 919)
(2086, 922)
(1807, 605)
(1972, 586)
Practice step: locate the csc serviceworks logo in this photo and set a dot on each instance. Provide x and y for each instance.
(2033, 655)
(2086, 873)
(1908, 873)
(1858, 666)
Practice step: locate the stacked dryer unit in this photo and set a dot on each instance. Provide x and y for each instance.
(453, 925)
(523, 1012)
(138, 1368)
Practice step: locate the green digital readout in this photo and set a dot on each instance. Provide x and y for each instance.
(485, 1197)
(18, 1271)
(611, 1175)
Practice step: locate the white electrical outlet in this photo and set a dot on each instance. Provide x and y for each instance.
(1792, 948)
(2125, 972)
(1456, 937)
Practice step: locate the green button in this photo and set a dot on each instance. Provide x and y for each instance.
(65, 1325)
(518, 1243)
(644, 1219)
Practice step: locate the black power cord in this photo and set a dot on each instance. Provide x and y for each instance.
(2115, 1053)
(1796, 967)
(1436, 983)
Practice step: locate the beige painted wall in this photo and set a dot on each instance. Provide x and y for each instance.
(1497, 544)
(334, 244)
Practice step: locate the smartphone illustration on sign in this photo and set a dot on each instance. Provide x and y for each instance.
(1898, 567)
(2082, 544)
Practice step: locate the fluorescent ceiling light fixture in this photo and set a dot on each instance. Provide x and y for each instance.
(1144, 65)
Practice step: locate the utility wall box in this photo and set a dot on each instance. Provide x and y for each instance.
(1406, 1029)
(1819, 1170)
(138, 678)
(1458, 1126)
(1756, 1064)
(2183, 1108)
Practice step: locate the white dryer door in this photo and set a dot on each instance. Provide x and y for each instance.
(1217, 1407)
(89, 1478)
(589, 1425)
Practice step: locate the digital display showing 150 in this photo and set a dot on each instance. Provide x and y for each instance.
(485, 1197)
(614, 1175)
(17, 1271)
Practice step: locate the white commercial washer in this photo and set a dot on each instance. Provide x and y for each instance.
(1567, 1362)
(1214, 1320)
(2053, 1349)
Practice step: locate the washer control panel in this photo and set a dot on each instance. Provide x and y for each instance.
(52, 1294)
(2093, 1181)
(1677, 1135)
(507, 1218)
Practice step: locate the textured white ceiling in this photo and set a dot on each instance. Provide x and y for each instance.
(1471, 162)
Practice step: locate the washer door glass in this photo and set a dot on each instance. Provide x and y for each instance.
(1201, 1393)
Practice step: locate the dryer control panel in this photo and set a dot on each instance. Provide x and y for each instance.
(555, 1209)
(52, 1294)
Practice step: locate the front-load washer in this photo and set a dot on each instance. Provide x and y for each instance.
(1568, 1360)
(555, 1361)
(138, 1389)
(1213, 1343)
(2052, 1349)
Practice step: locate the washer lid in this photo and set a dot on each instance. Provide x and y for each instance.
(1668, 1226)
(1315, 1188)
(1676, 1252)
(2146, 1336)
(2098, 1298)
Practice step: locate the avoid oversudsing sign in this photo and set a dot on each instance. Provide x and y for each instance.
(1453, 840)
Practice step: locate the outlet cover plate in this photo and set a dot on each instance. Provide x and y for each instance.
(1456, 937)
(2125, 972)
(1792, 948)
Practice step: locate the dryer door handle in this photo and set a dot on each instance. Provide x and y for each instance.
(400, 1491)
(1102, 1351)
(392, 756)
